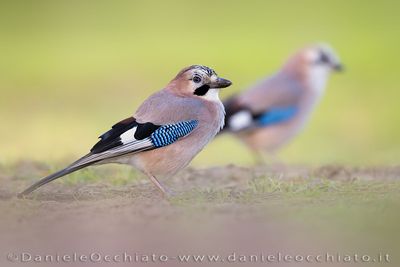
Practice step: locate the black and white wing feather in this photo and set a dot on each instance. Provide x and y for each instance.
(242, 118)
(126, 137)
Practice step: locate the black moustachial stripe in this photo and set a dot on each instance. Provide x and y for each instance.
(202, 90)
(323, 58)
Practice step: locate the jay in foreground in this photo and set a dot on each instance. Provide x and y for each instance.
(167, 131)
(272, 112)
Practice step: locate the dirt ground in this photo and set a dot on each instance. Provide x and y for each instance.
(226, 210)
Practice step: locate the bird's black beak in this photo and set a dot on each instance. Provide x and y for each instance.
(220, 83)
(338, 67)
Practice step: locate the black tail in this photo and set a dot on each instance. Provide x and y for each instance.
(72, 168)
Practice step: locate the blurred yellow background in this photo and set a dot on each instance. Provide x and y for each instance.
(70, 69)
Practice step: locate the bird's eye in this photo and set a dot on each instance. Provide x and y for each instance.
(196, 79)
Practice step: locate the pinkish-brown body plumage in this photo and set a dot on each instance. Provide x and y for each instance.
(168, 130)
(167, 107)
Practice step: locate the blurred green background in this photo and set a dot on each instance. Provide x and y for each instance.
(70, 69)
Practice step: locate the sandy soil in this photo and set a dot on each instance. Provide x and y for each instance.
(100, 217)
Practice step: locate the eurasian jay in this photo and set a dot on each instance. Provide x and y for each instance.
(167, 131)
(272, 112)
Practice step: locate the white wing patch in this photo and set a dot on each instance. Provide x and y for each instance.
(128, 136)
(240, 120)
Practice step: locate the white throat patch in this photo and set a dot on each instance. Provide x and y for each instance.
(212, 95)
(317, 78)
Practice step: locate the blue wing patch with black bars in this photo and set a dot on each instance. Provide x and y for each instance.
(276, 115)
(170, 133)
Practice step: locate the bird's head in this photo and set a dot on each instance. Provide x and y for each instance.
(315, 63)
(198, 81)
(322, 56)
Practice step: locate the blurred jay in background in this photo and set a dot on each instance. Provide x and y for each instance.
(272, 112)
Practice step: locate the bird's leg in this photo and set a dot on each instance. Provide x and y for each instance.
(276, 162)
(259, 158)
(164, 191)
